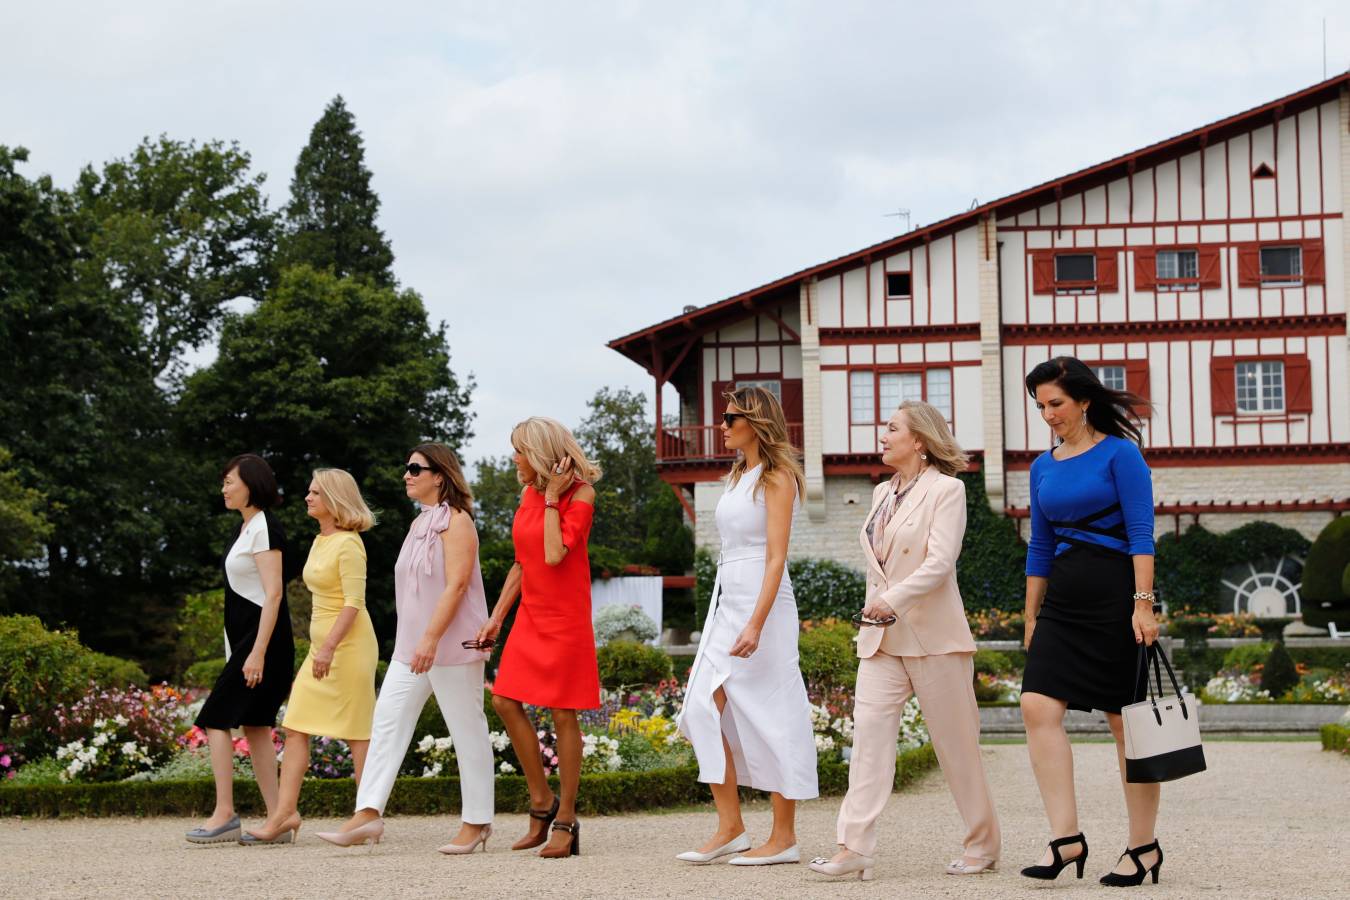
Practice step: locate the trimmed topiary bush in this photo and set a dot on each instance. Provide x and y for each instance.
(991, 570)
(828, 657)
(1190, 567)
(826, 589)
(1246, 657)
(202, 675)
(1279, 675)
(1326, 577)
(628, 663)
(994, 662)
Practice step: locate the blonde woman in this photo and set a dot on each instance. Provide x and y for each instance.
(334, 692)
(438, 589)
(549, 658)
(915, 640)
(745, 707)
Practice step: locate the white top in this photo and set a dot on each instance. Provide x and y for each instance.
(241, 569)
(743, 515)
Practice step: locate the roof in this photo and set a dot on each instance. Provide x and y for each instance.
(637, 345)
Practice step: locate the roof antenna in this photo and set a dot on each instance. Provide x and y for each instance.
(900, 214)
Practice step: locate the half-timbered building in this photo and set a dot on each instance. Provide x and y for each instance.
(1205, 273)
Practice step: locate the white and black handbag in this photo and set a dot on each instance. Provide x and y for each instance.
(1162, 733)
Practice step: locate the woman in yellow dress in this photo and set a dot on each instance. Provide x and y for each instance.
(334, 692)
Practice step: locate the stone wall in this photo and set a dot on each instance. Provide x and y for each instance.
(835, 536)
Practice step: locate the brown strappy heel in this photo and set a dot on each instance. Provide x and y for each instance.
(572, 847)
(543, 815)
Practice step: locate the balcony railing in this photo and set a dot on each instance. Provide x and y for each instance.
(692, 442)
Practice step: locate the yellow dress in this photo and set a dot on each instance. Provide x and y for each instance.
(342, 705)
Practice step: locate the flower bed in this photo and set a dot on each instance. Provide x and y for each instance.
(1336, 738)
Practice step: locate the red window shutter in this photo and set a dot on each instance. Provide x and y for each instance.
(1146, 269)
(1249, 265)
(1314, 262)
(1297, 385)
(1107, 280)
(1210, 267)
(1223, 386)
(792, 400)
(1137, 382)
(1042, 271)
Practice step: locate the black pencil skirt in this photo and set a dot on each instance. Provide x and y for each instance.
(1083, 649)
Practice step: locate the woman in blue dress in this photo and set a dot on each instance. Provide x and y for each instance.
(1089, 601)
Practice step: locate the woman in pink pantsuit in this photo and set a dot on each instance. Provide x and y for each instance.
(915, 641)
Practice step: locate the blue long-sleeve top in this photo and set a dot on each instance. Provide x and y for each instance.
(1102, 497)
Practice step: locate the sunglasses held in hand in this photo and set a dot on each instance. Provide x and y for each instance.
(473, 644)
(861, 619)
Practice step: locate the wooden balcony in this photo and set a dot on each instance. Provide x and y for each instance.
(692, 443)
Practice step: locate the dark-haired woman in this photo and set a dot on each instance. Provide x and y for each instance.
(1089, 601)
(438, 592)
(258, 644)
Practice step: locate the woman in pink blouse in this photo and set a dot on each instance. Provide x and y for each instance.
(441, 607)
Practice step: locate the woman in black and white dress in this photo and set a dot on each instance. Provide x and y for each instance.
(259, 646)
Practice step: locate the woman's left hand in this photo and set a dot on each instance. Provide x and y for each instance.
(559, 479)
(253, 669)
(424, 657)
(747, 643)
(1145, 625)
(323, 661)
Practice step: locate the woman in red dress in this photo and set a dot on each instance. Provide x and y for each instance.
(549, 658)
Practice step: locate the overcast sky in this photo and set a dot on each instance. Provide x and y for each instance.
(555, 175)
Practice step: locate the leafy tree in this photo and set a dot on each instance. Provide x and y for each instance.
(330, 371)
(23, 526)
(496, 494)
(331, 217)
(636, 515)
(181, 229)
(1326, 588)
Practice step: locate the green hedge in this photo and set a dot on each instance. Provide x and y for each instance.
(1336, 737)
(1314, 657)
(630, 663)
(1190, 566)
(600, 794)
(1326, 576)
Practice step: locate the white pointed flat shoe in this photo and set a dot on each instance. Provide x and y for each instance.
(790, 855)
(960, 867)
(738, 844)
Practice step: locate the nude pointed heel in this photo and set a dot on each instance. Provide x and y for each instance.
(371, 832)
(462, 849)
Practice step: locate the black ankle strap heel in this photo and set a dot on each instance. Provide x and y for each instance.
(1113, 880)
(1051, 872)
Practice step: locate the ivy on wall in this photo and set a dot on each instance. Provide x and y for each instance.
(1189, 567)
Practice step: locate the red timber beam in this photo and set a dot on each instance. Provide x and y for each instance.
(1332, 324)
(679, 495)
(1241, 506)
(958, 331)
(1268, 454)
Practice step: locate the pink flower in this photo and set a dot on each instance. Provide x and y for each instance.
(5, 761)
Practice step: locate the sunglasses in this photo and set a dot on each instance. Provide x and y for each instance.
(415, 469)
(860, 619)
(472, 644)
(730, 418)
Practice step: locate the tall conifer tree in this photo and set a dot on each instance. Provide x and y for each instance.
(331, 215)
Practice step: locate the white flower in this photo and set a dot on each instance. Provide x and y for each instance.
(100, 739)
(506, 768)
(121, 720)
(100, 724)
(130, 749)
(432, 770)
(443, 744)
(500, 740)
(824, 742)
(426, 743)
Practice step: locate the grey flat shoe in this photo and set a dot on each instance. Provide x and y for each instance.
(225, 834)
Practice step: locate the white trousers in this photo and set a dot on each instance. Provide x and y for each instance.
(459, 694)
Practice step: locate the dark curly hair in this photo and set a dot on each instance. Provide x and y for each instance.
(1109, 411)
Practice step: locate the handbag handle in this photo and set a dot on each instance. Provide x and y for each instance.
(1154, 652)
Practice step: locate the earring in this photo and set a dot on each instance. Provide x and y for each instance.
(923, 456)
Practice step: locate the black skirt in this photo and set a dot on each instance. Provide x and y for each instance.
(232, 703)
(1083, 649)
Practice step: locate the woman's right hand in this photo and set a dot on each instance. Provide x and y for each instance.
(1027, 629)
(489, 630)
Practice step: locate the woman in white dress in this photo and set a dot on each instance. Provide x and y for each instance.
(745, 707)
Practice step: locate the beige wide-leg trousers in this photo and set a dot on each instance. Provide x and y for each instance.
(946, 695)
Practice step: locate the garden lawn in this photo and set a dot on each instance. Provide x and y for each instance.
(1247, 828)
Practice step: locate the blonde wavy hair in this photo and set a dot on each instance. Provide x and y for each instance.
(930, 427)
(343, 498)
(764, 414)
(544, 443)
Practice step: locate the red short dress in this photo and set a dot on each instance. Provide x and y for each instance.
(549, 657)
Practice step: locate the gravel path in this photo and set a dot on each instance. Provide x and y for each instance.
(1267, 820)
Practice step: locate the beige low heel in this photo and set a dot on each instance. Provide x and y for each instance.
(865, 875)
(462, 849)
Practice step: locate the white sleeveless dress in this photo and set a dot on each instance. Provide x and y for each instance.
(767, 720)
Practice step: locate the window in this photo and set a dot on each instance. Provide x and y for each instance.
(1281, 265)
(899, 284)
(873, 396)
(1260, 387)
(862, 407)
(773, 386)
(1112, 377)
(1178, 270)
(1074, 272)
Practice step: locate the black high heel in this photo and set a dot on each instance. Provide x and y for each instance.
(573, 847)
(1114, 880)
(541, 815)
(1051, 872)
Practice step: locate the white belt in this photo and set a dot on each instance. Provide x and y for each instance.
(740, 554)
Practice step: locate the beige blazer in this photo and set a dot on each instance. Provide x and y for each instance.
(918, 581)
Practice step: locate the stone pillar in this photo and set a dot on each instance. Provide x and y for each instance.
(991, 363)
(813, 442)
(1344, 139)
